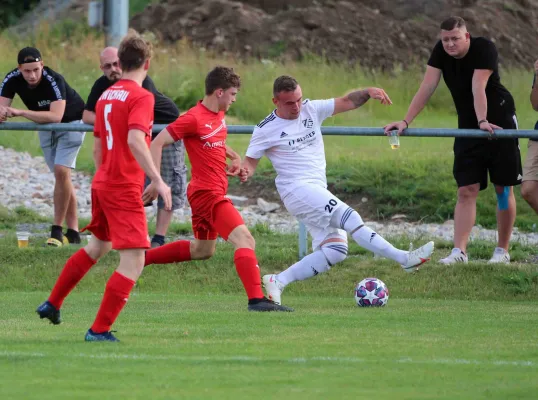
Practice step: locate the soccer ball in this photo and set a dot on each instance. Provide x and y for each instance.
(371, 292)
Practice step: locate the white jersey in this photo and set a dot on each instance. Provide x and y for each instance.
(294, 146)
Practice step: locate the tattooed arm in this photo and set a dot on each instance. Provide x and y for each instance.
(357, 98)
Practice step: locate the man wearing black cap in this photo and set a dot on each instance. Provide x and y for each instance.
(49, 99)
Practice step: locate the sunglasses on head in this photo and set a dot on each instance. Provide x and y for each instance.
(110, 65)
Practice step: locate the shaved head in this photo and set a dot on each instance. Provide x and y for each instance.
(110, 63)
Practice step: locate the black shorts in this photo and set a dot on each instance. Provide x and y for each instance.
(474, 158)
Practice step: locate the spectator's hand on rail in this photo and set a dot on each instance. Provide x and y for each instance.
(488, 126)
(13, 112)
(399, 125)
(3, 114)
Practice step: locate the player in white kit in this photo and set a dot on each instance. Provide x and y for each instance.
(291, 138)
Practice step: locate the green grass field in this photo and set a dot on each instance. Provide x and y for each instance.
(463, 332)
(206, 346)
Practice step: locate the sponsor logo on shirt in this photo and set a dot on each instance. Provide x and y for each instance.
(215, 131)
(308, 123)
(302, 142)
(283, 134)
(214, 145)
(43, 103)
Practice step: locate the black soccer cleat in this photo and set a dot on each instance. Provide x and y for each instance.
(265, 305)
(47, 310)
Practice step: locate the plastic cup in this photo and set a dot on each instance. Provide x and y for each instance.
(22, 239)
(394, 140)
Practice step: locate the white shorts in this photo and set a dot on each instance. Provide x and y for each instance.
(314, 206)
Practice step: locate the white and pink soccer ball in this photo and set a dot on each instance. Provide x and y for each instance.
(371, 292)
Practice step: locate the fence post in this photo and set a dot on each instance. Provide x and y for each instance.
(303, 242)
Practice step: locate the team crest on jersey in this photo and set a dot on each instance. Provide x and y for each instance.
(308, 123)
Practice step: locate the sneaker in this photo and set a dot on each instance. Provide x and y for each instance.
(418, 257)
(500, 256)
(91, 336)
(265, 305)
(456, 256)
(47, 310)
(272, 287)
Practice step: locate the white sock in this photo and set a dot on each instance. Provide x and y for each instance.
(311, 265)
(347, 218)
(370, 240)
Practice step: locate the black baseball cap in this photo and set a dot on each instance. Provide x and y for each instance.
(29, 55)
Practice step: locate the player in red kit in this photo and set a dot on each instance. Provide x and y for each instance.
(203, 131)
(122, 130)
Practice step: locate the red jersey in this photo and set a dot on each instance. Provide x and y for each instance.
(204, 135)
(123, 106)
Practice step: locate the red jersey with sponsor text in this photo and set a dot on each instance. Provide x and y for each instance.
(204, 135)
(122, 107)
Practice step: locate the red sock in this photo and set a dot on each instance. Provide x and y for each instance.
(116, 295)
(169, 253)
(247, 268)
(74, 270)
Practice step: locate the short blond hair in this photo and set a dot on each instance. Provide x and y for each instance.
(134, 51)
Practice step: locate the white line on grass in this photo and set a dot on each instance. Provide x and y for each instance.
(250, 359)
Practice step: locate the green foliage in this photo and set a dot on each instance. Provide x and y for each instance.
(10, 218)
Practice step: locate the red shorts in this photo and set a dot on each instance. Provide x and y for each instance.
(212, 215)
(119, 217)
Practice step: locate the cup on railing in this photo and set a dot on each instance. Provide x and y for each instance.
(23, 239)
(394, 140)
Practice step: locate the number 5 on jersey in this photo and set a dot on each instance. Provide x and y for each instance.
(109, 137)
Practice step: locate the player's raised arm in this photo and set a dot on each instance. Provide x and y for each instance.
(357, 98)
(425, 91)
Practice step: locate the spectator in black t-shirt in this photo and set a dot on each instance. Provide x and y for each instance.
(173, 169)
(470, 69)
(49, 99)
(529, 187)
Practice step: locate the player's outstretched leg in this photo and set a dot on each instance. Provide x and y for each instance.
(229, 224)
(331, 251)
(174, 252)
(76, 267)
(348, 219)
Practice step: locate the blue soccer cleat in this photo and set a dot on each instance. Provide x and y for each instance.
(91, 336)
(47, 310)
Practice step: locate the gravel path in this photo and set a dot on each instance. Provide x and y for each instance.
(26, 181)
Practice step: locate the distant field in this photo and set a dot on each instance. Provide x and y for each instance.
(415, 180)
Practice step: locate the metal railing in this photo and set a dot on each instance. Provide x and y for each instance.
(327, 131)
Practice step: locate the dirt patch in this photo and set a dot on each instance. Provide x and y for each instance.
(377, 34)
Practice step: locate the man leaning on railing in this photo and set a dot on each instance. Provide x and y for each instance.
(49, 99)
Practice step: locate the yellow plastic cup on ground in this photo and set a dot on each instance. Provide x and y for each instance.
(23, 239)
